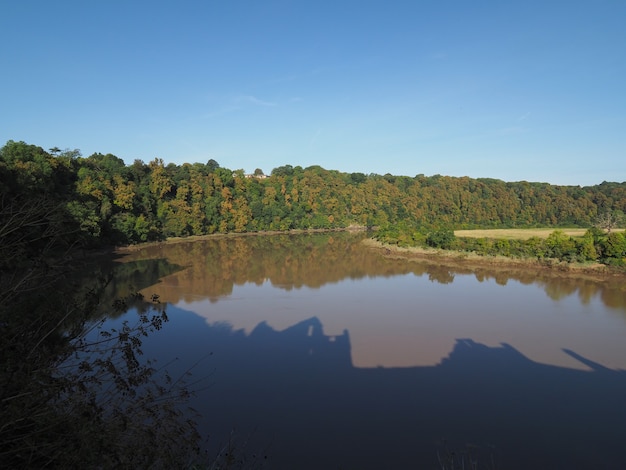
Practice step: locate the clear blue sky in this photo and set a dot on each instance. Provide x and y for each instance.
(523, 90)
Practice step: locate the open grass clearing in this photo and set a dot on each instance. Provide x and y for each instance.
(518, 233)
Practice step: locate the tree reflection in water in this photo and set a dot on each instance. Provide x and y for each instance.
(309, 403)
(213, 266)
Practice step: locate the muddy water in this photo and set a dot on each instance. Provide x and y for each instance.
(327, 354)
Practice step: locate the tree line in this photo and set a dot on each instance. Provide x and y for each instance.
(107, 201)
(596, 245)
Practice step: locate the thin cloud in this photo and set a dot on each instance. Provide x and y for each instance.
(314, 138)
(523, 117)
(253, 100)
(237, 103)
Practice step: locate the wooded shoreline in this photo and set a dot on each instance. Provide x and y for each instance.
(451, 258)
(212, 236)
(440, 257)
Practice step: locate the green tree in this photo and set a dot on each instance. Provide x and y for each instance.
(212, 165)
(587, 247)
(561, 246)
(614, 246)
(443, 238)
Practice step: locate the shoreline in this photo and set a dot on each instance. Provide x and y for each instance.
(193, 238)
(459, 259)
(474, 261)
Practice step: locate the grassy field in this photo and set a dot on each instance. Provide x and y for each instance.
(518, 233)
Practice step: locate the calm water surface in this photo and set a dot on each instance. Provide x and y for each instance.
(326, 354)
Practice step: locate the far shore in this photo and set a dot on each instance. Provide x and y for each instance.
(212, 236)
(439, 257)
(453, 259)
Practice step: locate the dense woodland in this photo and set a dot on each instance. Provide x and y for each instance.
(106, 201)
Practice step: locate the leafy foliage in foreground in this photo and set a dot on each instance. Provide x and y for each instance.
(92, 402)
(72, 396)
(470, 457)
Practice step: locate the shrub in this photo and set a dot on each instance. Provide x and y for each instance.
(443, 238)
(614, 245)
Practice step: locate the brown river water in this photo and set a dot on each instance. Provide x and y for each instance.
(323, 353)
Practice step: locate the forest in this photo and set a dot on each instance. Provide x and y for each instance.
(99, 201)
(106, 201)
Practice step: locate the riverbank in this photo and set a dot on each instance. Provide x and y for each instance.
(595, 271)
(212, 236)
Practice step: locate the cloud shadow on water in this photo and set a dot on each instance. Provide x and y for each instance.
(298, 395)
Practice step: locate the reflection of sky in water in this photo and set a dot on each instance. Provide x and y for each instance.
(408, 320)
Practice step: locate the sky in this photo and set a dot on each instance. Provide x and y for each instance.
(525, 90)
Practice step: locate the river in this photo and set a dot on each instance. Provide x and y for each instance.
(315, 351)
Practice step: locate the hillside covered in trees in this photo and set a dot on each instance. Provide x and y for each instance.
(100, 199)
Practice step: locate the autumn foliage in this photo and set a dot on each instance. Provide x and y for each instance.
(109, 201)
